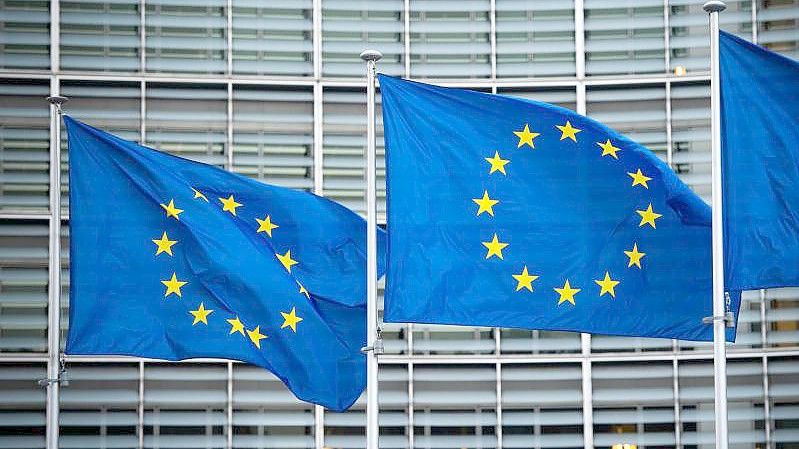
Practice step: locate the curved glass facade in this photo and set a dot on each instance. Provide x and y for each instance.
(275, 90)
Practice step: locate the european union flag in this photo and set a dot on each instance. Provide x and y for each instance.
(514, 213)
(174, 259)
(760, 165)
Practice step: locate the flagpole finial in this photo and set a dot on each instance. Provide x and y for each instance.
(714, 6)
(371, 55)
(57, 101)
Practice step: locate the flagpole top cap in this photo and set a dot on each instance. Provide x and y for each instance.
(57, 100)
(714, 6)
(371, 55)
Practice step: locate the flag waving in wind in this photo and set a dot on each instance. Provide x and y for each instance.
(174, 259)
(513, 213)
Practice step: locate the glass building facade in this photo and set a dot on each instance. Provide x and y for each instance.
(275, 90)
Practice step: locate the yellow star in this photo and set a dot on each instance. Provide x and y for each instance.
(303, 290)
(524, 280)
(229, 204)
(526, 137)
(266, 225)
(568, 131)
(609, 149)
(291, 319)
(200, 315)
(198, 194)
(647, 216)
(256, 336)
(173, 286)
(286, 260)
(639, 179)
(171, 210)
(164, 244)
(495, 247)
(607, 285)
(635, 256)
(567, 293)
(486, 204)
(236, 325)
(497, 163)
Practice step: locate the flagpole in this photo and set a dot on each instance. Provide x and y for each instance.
(54, 368)
(374, 343)
(720, 320)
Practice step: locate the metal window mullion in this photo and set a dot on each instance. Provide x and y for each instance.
(318, 139)
(316, 39)
(318, 105)
(406, 12)
(229, 36)
(229, 407)
(142, 36)
(55, 36)
(763, 322)
(142, 112)
(579, 39)
(666, 36)
(140, 408)
(754, 31)
(229, 128)
(492, 17)
(669, 138)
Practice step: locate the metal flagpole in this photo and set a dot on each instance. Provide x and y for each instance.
(374, 342)
(720, 317)
(54, 365)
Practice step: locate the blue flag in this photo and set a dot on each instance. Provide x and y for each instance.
(760, 157)
(173, 259)
(514, 213)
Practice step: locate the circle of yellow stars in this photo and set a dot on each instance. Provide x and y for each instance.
(173, 285)
(524, 279)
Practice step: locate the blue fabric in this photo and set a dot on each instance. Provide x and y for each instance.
(760, 157)
(119, 304)
(565, 211)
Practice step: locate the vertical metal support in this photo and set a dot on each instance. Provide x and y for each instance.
(140, 408)
(498, 371)
(319, 426)
(588, 401)
(585, 339)
(374, 342)
(766, 403)
(675, 367)
(54, 368)
(229, 407)
(411, 425)
(579, 39)
(713, 8)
